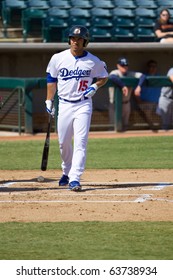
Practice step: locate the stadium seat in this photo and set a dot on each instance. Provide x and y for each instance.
(124, 4)
(123, 22)
(52, 29)
(164, 3)
(32, 22)
(143, 34)
(146, 4)
(123, 12)
(144, 22)
(120, 34)
(64, 4)
(38, 4)
(102, 22)
(60, 13)
(79, 21)
(145, 12)
(107, 4)
(101, 12)
(12, 13)
(80, 12)
(100, 35)
(86, 4)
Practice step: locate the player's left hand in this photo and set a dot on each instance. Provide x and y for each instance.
(90, 91)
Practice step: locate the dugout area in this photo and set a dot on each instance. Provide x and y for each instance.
(29, 61)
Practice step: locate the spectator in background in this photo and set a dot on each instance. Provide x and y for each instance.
(165, 105)
(164, 27)
(151, 94)
(115, 76)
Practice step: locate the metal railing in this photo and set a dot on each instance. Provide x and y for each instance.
(20, 92)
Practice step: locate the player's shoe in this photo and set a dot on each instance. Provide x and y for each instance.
(75, 186)
(64, 180)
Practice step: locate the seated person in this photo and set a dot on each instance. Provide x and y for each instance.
(164, 28)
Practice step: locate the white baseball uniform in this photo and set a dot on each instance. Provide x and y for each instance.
(74, 75)
(165, 105)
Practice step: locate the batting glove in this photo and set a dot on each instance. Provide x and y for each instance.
(91, 91)
(50, 108)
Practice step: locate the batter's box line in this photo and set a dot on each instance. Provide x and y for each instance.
(140, 199)
(127, 184)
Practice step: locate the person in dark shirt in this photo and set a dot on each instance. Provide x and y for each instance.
(164, 27)
(150, 94)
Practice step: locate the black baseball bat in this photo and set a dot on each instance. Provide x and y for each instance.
(46, 146)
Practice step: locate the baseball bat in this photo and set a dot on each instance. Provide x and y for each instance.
(46, 146)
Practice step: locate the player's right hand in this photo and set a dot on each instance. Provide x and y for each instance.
(50, 107)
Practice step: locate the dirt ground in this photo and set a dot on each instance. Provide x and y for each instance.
(107, 195)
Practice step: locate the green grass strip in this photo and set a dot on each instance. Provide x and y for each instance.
(87, 241)
(122, 153)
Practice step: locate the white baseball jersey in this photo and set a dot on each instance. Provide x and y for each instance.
(75, 74)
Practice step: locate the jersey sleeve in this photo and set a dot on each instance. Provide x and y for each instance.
(51, 68)
(100, 69)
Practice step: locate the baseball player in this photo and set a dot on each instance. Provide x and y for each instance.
(165, 104)
(115, 76)
(71, 73)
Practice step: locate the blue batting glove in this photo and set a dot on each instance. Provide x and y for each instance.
(90, 91)
(50, 108)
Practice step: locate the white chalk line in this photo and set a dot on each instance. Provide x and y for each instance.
(157, 185)
(141, 200)
(140, 197)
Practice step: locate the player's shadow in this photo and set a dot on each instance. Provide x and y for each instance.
(6, 186)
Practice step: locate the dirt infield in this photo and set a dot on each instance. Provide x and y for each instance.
(107, 195)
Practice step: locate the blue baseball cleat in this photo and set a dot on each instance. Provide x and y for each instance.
(64, 180)
(75, 186)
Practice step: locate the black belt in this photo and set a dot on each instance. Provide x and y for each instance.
(125, 102)
(74, 101)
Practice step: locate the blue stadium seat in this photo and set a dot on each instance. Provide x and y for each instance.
(102, 22)
(60, 13)
(146, 12)
(120, 34)
(79, 21)
(124, 4)
(99, 35)
(123, 12)
(107, 4)
(101, 12)
(123, 22)
(144, 22)
(38, 4)
(164, 3)
(143, 34)
(86, 4)
(80, 12)
(146, 4)
(64, 4)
